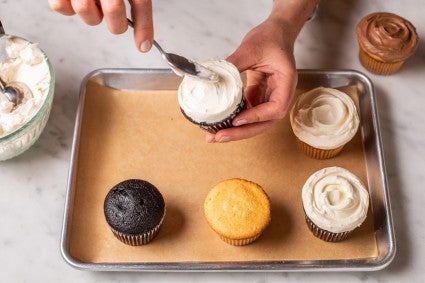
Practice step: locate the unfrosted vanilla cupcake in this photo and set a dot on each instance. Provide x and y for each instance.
(324, 120)
(213, 105)
(386, 40)
(237, 210)
(335, 203)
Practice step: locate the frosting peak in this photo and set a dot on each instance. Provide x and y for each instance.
(388, 36)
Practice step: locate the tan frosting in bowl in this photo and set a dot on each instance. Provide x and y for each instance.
(324, 118)
(387, 36)
(335, 199)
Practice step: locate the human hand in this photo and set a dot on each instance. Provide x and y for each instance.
(114, 12)
(266, 54)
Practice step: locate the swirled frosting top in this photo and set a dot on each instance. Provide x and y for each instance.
(388, 36)
(211, 102)
(335, 199)
(324, 118)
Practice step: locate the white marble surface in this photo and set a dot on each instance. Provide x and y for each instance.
(33, 185)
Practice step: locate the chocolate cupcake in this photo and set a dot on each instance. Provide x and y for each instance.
(335, 203)
(386, 41)
(134, 210)
(213, 105)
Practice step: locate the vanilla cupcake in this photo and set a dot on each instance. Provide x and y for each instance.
(335, 203)
(324, 120)
(213, 105)
(386, 41)
(238, 211)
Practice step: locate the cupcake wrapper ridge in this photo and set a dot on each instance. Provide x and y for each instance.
(239, 242)
(138, 240)
(224, 124)
(317, 152)
(326, 235)
(378, 67)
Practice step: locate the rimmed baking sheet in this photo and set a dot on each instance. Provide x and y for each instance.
(129, 126)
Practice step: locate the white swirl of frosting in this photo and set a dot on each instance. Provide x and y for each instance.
(325, 118)
(335, 199)
(211, 102)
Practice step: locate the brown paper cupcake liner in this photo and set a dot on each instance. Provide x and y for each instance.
(317, 152)
(239, 242)
(326, 235)
(378, 67)
(138, 240)
(224, 124)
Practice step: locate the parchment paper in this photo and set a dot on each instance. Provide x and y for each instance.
(143, 135)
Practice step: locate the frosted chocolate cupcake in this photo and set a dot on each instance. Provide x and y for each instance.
(386, 41)
(237, 210)
(335, 203)
(134, 210)
(324, 120)
(213, 105)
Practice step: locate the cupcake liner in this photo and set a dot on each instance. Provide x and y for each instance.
(138, 240)
(326, 235)
(317, 152)
(239, 242)
(223, 124)
(378, 67)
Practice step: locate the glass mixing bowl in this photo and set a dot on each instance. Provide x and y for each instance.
(25, 136)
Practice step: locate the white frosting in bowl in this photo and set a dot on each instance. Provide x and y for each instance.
(21, 126)
(335, 199)
(26, 64)
(324, 118)
(211, 102)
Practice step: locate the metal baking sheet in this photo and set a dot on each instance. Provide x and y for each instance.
(160, 79)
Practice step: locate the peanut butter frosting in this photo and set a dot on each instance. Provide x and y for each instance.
(324, 118)
(335, 199)
(387, 36)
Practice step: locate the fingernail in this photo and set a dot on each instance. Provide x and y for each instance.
(145, 46)
(224, 139)
(240, 122)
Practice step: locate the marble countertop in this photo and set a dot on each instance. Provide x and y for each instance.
(33, 185)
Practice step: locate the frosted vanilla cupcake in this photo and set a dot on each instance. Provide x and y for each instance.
(386, 41)
(335, 203)
(324, 120)
(213, 105)
(237, 210)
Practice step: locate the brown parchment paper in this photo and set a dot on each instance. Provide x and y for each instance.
(143, 135)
